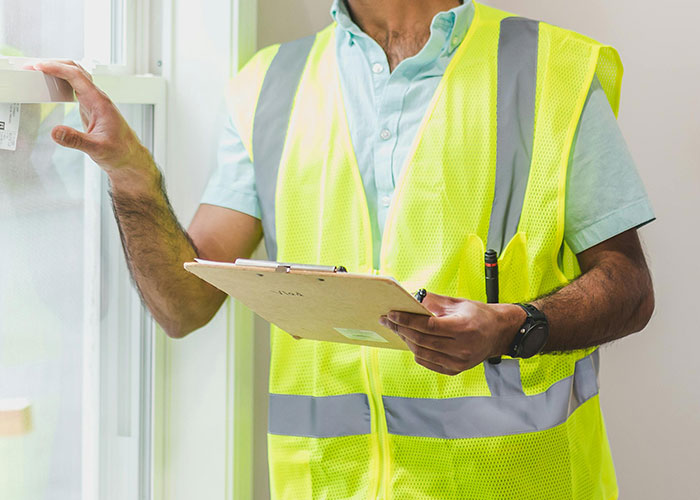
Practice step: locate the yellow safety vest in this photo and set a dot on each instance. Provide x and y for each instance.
(487, 169)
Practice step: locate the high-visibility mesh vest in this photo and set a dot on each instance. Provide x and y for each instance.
(487, 168)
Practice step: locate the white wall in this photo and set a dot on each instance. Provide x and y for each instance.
(197, 67)
(197, 416)
(650, 382)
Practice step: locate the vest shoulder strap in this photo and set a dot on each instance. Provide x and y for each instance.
(517, 82)
(270, 123)
(519, 49)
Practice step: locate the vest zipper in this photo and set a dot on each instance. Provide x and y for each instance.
(381, 438)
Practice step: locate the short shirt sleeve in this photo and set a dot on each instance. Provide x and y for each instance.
(604, 194)
(232, 184)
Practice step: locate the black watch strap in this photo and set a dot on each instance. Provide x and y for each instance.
(533, 312)
(524, 344)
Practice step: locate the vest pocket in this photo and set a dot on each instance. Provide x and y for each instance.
(513, 270)
(471, 281)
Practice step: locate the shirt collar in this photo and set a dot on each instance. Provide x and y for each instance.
(454, 23)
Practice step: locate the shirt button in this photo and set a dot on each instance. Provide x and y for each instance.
(377, 68)
(385, 134)
(386, 201)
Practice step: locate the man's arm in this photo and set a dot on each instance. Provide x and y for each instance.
(611, 299)
(155, 244)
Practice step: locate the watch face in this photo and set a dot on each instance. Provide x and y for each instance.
(534, 341)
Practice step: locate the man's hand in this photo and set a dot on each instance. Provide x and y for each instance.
(107, 139)
(462, 334)
(155, 244)
(613, 298)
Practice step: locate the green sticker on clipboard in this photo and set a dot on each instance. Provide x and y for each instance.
(363, 335)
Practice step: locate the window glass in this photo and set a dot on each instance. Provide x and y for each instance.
(41, 28)
(43, 306)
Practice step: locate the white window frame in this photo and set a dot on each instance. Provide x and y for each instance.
(20, 86)
(127, 24)
(142, 42)
(238, 386)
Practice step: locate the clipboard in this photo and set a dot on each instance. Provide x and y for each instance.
(314, 302)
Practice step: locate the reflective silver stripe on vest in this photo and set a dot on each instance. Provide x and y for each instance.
(488, 416)
(270, 127)
(319, 417)
(517, 80)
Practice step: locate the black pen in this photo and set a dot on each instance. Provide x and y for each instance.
(491, 271)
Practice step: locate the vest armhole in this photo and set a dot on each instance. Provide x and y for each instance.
(243, 91)
(609, 71)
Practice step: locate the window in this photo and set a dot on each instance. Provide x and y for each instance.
(41, 291)
(127, 413)
(76, 345)
(73, 29)
(73, 341)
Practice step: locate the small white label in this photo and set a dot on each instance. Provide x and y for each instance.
(364, 335)
(9, 126)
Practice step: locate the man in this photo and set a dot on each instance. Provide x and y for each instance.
(408, 138)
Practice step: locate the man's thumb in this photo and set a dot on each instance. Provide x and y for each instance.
(71, 138)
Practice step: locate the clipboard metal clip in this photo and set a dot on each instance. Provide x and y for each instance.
(285, 267)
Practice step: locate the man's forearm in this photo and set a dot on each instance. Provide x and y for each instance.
(156, 246)
(612, 299)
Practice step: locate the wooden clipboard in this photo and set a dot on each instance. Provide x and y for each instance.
(314, 302)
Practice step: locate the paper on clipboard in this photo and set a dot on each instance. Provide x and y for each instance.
(314, 302)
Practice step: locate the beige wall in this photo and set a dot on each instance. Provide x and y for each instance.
(284, 20)
(650, 382)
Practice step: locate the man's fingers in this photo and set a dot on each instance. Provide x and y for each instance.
(433, 342)
(83, 71)
(435, 303)
(436, 358)
(425, 324)
(71, 138)
(33, 66)
(431, 351)
(74, 74)
(435, 367)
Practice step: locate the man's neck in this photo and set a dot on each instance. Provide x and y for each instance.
(400, 27)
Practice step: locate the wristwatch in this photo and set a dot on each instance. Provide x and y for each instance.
(532, 336)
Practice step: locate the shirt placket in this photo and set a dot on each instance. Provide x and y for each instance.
(390, 98)
(386, 136)
(381, 146)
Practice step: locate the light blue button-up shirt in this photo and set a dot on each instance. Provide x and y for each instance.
(605, 195)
